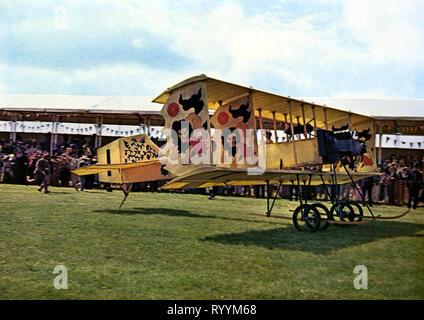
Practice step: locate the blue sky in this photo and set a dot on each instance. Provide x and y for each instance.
(303, 48)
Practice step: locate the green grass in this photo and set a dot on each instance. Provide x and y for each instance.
(183, 246)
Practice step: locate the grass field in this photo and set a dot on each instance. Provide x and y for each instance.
(184, 246)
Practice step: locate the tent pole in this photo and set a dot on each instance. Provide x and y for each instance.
(148, 127)
(380, 138)
(99, 125)
(56, 136)
(12, 135)
(53, 134)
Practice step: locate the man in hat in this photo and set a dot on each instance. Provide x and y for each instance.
(42, 172)
(415, 180)
(21, 165)
(83, 162)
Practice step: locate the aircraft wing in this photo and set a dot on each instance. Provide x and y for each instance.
(98, 168)
(205, 177)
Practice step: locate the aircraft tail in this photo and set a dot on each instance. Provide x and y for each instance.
(127, 160)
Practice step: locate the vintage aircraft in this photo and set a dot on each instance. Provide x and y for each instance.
(227, 148)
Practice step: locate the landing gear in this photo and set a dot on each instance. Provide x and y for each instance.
(306, 218)
(346, 211)
(358, 212)
(317, 216)
(324, 213)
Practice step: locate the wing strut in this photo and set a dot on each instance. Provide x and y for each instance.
(268, 212)
(126, 191)
(359, 191)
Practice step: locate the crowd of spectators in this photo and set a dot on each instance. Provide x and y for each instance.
(30, 162)
(401, 181)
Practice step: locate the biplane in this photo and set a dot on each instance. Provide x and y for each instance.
(215, 137)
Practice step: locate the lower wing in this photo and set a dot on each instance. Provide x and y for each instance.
(98, 168)
(213, 176)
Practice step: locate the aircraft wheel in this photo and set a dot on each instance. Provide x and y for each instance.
(345, 212)
(358, 212)
(324, 214)
(306, 217)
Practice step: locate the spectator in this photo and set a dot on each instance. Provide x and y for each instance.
(367, 185)
(415, 180)
(73, 164)
(42, 172)
(64, 172)
(83, 162)
(20, 168)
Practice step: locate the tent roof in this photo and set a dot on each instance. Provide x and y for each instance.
(133, 110)
(376, 107)
(125, 110)
(395, 115)
(402, 125)
(52, 101)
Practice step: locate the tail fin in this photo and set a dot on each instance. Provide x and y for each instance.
(127, 160)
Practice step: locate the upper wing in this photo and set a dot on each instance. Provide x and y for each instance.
(212, 176)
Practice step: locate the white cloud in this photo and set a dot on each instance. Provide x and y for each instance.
(393, 30)
(138, 43)
(238, 47)
(371, 47)
(103, 80)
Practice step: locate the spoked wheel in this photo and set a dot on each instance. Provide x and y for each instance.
(343, 212)
(358, 212)
(306, 218)
(324, 214)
